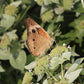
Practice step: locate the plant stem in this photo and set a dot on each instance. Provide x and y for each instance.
(62, 73)
(24, 13)
(53, 77)
(22, 16)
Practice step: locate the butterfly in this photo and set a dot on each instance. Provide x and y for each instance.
(38, 40)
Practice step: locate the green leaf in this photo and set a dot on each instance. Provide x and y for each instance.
(7, 21)
(80, 25)
(41, 64)
(1, 69)
(79, 8)
(30, 66)
(5, 54)
(74, 66)
(59, 10)
(55, 1)
(82, 72)
(20, 61)
(74, 53)
(30, 58)
(51, 28)
(66, 55)
(82, 3)
(15, 47)
(46, 13)
(44, 8)
(39, 2)
(54, 62)
(24, 36)
(16, 3)
(73, 75)
(27, 78)
(4, 41)
(47, 2)
(63, 80)
(40, 76)
(67, 66)
(27, 1)
(10, 10)
(47, 16)
(67, 4)
(12, 35)
(57, 51)
(19, 81)
(45, 81)
(60, 18)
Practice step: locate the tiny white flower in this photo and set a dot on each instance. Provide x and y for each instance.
(30, 70)
(69, 47)
(64, 44)
(60, 76)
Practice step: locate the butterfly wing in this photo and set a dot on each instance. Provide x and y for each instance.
(38, 40)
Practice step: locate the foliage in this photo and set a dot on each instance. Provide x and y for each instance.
(49, 65)
(63, 20)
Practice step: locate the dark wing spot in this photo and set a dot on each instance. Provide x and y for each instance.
(34, 47)
(33, 39)
(33, 31)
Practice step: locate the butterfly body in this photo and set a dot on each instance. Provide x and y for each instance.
(38, 40)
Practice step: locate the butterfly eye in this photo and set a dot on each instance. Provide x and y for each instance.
(33, 31)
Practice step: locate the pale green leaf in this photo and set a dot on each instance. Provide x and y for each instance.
(47, 16)
(60, 18)
(27, 78)
(15, 47)
(27, 1)
(1, 69)
(74, 66)
(66, 55)
(59, 10)
(12, 35)
(39, 2)
(58, 50)
(7, 21)
(19, 62)
(4, 41)
(40, 76)
(67, 4)
(74, 53)
(24, 36)
(47, 2)
(16, 3)
(55, 1)
(41, 65)
(10, 10)
(45, 81)
(44, 8)
(72, 75)
(5, 54)
(31, 65)
(54, 62)
(82, 1)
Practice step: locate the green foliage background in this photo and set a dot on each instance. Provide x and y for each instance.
(62, 19)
